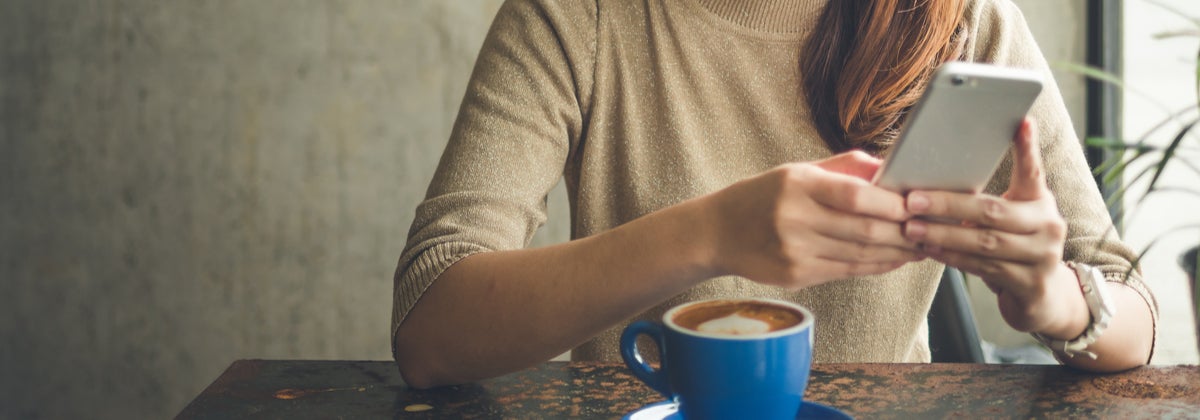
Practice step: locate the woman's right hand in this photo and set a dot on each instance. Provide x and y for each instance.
(803, 224)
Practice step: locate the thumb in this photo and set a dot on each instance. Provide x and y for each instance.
(1028, 181)
(855, 163)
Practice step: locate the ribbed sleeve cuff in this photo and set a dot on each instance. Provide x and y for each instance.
(410, 283)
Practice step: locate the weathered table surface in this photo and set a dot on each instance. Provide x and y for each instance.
(374, 389)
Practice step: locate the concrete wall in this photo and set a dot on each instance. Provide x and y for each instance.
(183, 184)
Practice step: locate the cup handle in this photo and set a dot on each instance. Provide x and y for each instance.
(656, 379)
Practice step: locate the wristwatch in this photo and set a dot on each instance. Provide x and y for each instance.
(1100, 305)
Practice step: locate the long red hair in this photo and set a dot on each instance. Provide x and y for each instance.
(868, 62)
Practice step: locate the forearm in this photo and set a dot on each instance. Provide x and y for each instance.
(498, 312)
(1127, 342)
(794, 226)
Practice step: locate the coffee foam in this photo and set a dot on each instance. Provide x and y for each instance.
(746, 313)
(734, 324)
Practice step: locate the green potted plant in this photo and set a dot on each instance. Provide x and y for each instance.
(1141, 161)
(1189, 261)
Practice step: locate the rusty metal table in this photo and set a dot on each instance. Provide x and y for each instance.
(373, 389)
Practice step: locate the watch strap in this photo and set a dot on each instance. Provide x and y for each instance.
(1095, 293)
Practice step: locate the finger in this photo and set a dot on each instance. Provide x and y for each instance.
(848, 251)
(997, 274)
(1001, 277)
(978, 210)
(853, 195)
(995, 288)
(1028, 181)
(842, 269)
(855, 163)
(860, 229)
(984, 242)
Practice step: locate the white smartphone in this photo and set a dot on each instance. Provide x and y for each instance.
(958, 132)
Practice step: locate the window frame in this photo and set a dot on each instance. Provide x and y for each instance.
(1105, 31)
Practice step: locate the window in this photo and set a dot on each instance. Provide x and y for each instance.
(1160, 76)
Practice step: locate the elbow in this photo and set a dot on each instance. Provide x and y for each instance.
(1137, 358)
(1113, 365)
(418, 368)
(415, 377)
(414, 371)
(1111, 361)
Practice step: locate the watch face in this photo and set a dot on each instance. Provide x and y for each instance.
(1095, 293)
(1099, 301)
(1102, 289)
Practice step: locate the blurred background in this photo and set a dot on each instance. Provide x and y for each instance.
(185, 184)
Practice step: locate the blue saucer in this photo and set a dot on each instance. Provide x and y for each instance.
(668, 410)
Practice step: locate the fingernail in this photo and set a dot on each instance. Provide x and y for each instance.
(917, 202)
(914, 229)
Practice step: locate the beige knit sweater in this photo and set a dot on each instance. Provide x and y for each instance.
(641, 104)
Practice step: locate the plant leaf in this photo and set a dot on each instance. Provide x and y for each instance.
(1169, 152)
(1177, 190)
(1110, 78)
(1119, 194)
(1094, 73)
(1173, 117)
(1119, 145)
(1137, 261)
(1109, 164)
(1116, 172)
(1176, 11)
(1140, 150)
(1176, 33)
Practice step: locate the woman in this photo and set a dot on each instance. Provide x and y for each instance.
(724, 148)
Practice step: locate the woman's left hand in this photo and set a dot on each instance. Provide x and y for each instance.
(1013, 242)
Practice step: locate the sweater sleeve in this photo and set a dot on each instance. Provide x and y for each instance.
(521, 115)
(999, 34)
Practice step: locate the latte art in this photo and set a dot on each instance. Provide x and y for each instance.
(737, 317)
(734, 324)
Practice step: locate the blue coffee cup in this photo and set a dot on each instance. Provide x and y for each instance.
(721, 376)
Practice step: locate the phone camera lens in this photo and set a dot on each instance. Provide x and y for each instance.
(957, 80)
